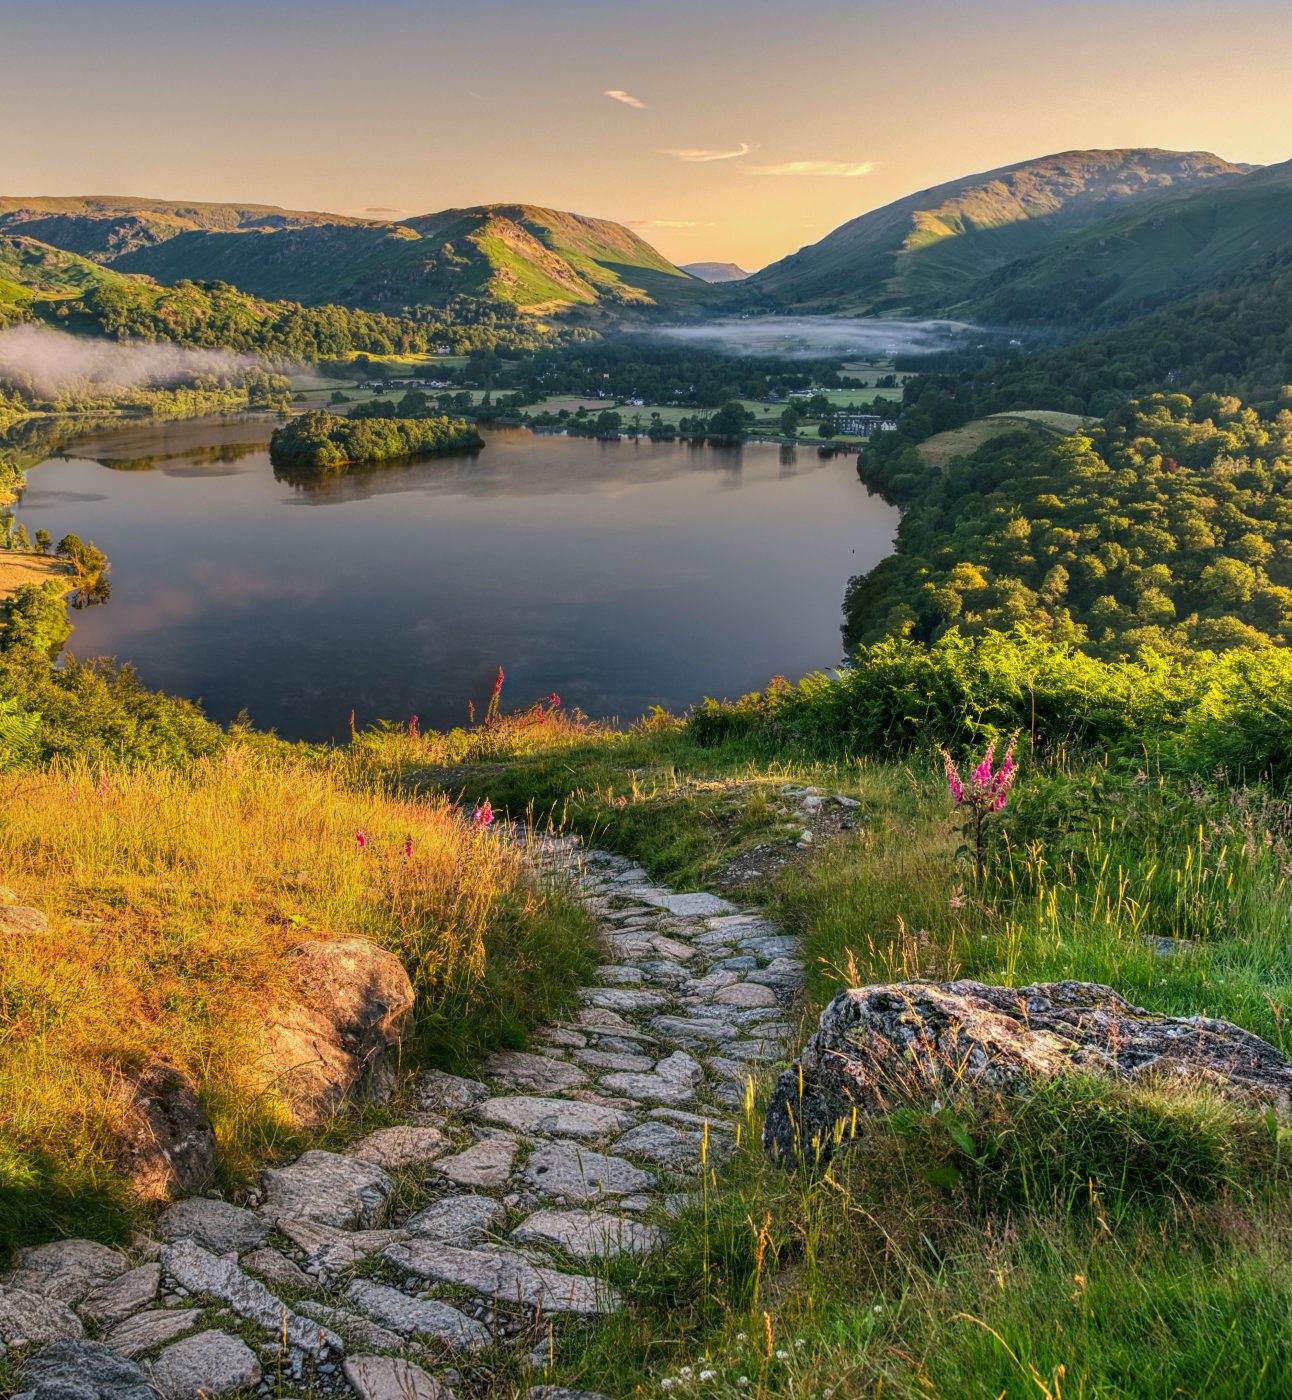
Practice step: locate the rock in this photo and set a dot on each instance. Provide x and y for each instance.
(556, 1035)
(357, 1331)
(330, 1188)
(435, 1089)
(687, 906)
(149, 1329)
(663, 1144)
(561, 1117)
(277, 1269)
(215, 1225)
(691, 1030)
(126, 1294)
(532, 1073)
(15, 919)
(32, 1317)
(7, 896)
(628, 999)
(205, 1365)
(82, 1371)
(587, 1234)
(66, 1269)
(563, 1170)
(334, 1041)
(674, 1080)
(332, 1249)
(459, 1220)
(403, 1146)
(612, 975)
(604, 1059)
(672, 948)
(389, 1378)
(167, 1143)
(505, 1275)
(746, 994)
(561, 1392)
(421, 1317)
(877, 1046)
(487, 1163)
(200, 1272)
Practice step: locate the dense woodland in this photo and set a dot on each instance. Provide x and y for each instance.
(1169, 526)
(323, 441)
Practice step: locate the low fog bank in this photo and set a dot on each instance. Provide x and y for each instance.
(813, 337)
(49, 362)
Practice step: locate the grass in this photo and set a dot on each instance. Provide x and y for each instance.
(172, 897)
(17, 568)
(1093, 1240)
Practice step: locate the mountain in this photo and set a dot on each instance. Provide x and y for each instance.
(537, 260)
(30, 270)
(926, 254)
(104, 227)
(716, 271)
(1153, 254)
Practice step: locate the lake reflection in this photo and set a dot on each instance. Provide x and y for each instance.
(621, 575)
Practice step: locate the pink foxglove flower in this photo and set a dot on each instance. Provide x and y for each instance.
(360, 839)
(483, 815)
(408, 848)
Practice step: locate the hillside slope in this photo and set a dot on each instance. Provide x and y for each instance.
(104, 227)
(925, 253)
(716, 271)
(535, 259)
(1172, 248)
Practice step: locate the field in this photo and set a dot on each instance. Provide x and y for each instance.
(939, 449)
(17, 569)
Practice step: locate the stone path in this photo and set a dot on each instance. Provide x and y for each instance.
(530, 1179)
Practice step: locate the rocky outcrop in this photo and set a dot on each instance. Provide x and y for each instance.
(167, 1144)
(878, 1047)
(336, 1039)
(15, 919)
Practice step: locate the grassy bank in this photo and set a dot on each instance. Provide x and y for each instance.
(173, 894)
(1091, 1241)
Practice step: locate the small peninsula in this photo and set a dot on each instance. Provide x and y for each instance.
(321, 441)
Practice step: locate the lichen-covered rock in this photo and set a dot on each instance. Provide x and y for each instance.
(328, 1187)
(335, 1040)
(215, 1225)
(205, 1365)
(17, 919)
(66, 1269)
(389, 1378)
(879, 1046)
(167, 1144)
(31, 1317)
(82, 1371)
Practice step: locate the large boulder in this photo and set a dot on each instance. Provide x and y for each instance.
(81, 1370)
(881, 1046)
(167, 1144)
(336, 1038)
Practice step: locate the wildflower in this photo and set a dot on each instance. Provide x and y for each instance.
(708, 1375)
(799, 1342)
(553, 700)
(782, 1355)
(360, 839)
(685, 1371)
(408, 848)
(412, 726)
(483, 815)
(741, 1337)
(877, 1310)
(667, 1383)
(103, 785)
(742, 1381)
(986, 792)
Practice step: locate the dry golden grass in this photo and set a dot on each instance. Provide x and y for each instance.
(17, 569)
(172, 897)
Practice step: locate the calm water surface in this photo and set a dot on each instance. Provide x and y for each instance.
(621, 575)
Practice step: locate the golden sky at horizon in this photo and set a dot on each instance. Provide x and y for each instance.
(719, 131)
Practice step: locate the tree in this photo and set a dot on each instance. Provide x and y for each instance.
(827, 428)
(789, 422)
(728, 424)
(44, 541)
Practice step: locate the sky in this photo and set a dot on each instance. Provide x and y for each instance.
(732, 132)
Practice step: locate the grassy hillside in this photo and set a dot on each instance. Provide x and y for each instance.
(538, 260)
(32, 269)
(926, 252)
(104, 227)
(1148, 255)
(716, 271)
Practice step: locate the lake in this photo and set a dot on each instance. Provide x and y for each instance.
(620, 575)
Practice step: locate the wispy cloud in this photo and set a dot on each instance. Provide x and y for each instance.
(834, 169)
(691, 153)
(381, 209)
(663, 223)
(625, 97)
